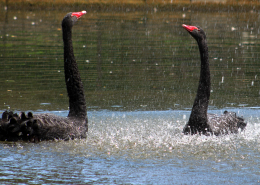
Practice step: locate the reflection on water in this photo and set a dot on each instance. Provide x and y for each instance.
(128, 61)
(133, 65)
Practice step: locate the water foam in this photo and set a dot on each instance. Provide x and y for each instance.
(158, 135)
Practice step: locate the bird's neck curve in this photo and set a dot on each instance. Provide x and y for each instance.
(77, 103)
(200, 106)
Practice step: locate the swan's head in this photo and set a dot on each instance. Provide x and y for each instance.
(195, 31)
(71, 18)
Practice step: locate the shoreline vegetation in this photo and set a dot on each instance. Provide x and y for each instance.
(134, 5)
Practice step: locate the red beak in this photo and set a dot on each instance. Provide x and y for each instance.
(189, 28)
(79, 14)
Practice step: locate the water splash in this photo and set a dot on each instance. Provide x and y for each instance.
(158, 135)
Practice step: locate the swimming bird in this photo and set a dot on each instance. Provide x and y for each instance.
(14, 127)
(201, 122)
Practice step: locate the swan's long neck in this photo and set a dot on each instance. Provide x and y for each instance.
(77, 104)
(200, 106)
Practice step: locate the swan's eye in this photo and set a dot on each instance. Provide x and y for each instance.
(198, 29)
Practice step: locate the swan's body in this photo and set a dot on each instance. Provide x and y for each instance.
(48, 126)
(200, 121)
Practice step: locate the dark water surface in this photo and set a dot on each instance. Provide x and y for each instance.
(140, 72)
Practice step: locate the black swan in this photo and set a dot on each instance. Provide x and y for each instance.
(39, 127)
(200, 122)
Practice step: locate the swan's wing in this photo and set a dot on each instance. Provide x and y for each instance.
(14, 127)
(226, 123)
(56, 127)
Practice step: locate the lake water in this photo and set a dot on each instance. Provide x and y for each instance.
(140, 72)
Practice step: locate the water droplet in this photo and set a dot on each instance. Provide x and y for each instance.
(45, 103)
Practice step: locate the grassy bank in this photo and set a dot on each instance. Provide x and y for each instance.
(133, 5)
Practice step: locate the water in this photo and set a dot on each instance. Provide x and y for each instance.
(142, 147)
(140, 72)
